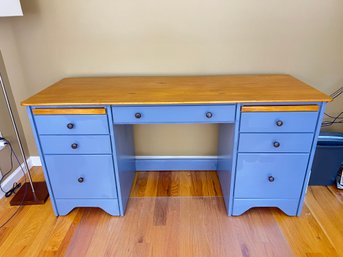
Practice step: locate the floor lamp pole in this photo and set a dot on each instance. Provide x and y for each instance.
(31, 196)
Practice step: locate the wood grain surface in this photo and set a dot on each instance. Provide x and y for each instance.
(280, 108)
(82, 111)
(176, 90)
(176, 214)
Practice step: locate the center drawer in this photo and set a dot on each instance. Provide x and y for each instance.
(270, 176)
(76, 144)
(81, 176)
(174, 114)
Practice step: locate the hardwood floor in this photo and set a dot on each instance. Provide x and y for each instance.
(172, 214)
(179, 183)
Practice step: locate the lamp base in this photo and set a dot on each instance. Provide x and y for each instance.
(25, 196)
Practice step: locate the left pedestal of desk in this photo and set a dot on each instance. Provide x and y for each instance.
(76, 152)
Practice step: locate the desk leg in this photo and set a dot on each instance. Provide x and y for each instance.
(124, 162)
(227, 155)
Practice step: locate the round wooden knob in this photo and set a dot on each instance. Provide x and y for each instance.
(70, 125)
(74, 146)
(271, 179)
(209, 115)
(138, 115)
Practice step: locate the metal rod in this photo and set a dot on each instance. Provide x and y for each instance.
(17, 134)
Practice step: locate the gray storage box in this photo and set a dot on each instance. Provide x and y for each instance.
(327, 159)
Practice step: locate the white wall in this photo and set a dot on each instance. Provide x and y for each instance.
(60, 38)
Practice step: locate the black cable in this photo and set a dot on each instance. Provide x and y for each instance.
(337, 93)
(14, 188)
(332, 117)
(11, 166)
(25, 193)
(334, 95)
(335, 118)
(329, 123)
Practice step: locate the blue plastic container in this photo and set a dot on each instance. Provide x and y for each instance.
(327, 159)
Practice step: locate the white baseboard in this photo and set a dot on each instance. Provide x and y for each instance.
(35, 161)
(16, 175)
(144, 163)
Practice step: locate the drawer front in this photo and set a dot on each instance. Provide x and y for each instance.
(81, 176)
(278, 121)
(275, 143)
(71, 124)
(174, 114)
(76, 144)
(270, 176)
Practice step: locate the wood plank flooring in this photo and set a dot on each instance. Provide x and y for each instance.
(176, 214)
(177, 183)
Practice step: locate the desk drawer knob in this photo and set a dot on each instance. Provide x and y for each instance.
(138, 115)
(276, 144)
(70, 125)
(279, 123)
(271, 179)
(80, 179)
(209, 115)
(74, 146)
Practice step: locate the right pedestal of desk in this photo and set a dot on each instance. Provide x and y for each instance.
(276, 144)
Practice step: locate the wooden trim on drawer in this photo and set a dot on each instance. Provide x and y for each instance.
(280, 108)
(45, 111)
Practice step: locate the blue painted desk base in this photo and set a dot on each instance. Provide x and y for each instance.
(259, 164)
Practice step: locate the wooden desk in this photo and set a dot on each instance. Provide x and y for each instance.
(268, 128)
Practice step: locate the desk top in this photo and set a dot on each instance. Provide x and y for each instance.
(176, 90)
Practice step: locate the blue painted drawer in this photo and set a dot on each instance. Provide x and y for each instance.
(270, 175)
(275, 142)
(81, 176)
(174, 114)
(76, 144)
(78, 124)
(278, 121)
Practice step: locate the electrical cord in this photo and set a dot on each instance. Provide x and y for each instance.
(335, 119)
(332, 117)
(11, 165)
(15, 187)
(337, 93)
